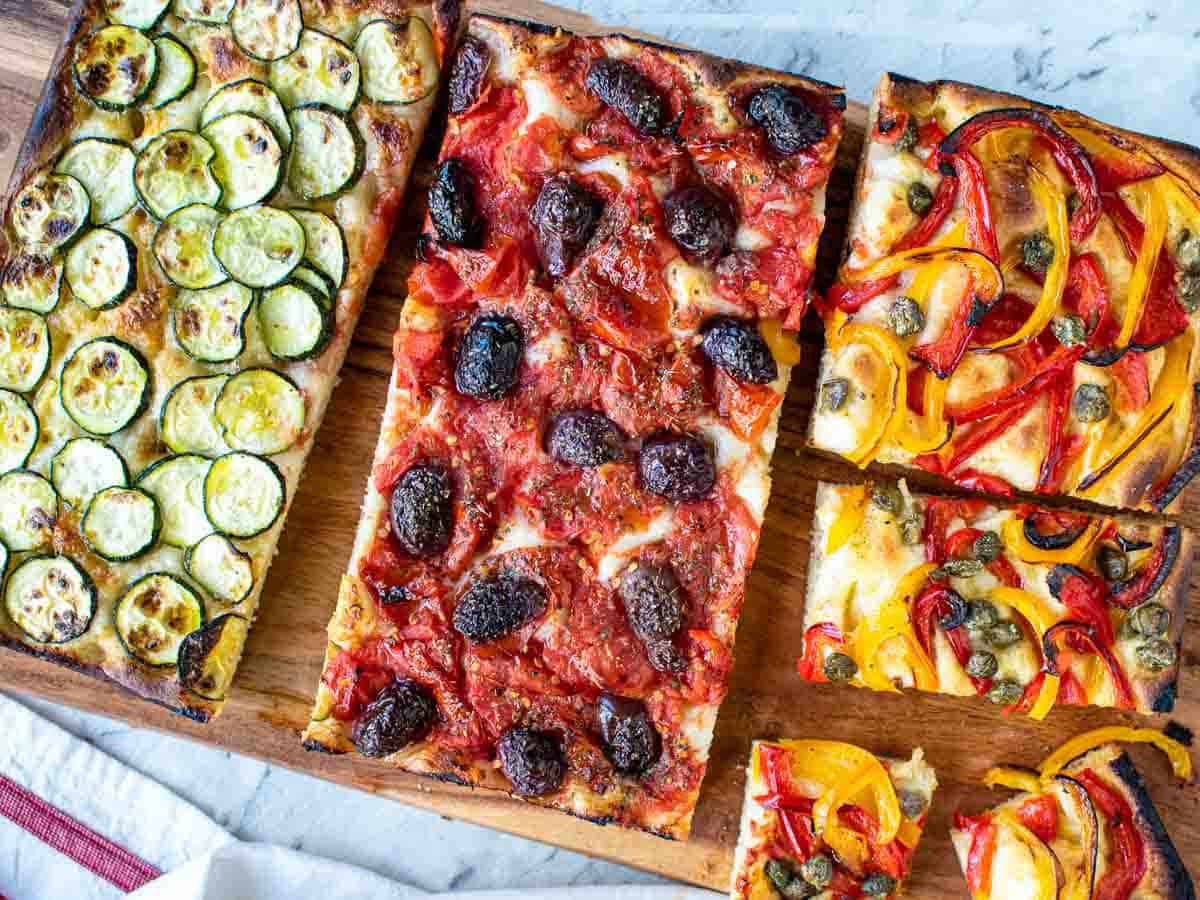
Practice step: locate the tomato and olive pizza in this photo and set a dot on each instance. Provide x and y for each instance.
(1022, 605)
(1017, 304)
(191, 230)
(573, 467)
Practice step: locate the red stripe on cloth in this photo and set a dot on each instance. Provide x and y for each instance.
(93, 851)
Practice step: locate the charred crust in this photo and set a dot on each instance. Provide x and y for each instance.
(1163, 849)
(1177, 731)
(1164, 700)
(449, 778)
(447, 17)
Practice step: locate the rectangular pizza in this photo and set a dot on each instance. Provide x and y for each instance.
(1017, 304)
(190, 232)
(574, 461)
(1022, 605)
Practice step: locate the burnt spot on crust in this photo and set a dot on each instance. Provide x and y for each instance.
(1177, 731)
(1176, 873)
(1164, 700)
(392, 137)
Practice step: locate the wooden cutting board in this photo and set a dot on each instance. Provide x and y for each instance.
(270, 702)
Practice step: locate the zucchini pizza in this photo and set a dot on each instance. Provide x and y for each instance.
(1023, 605)
(573, 466)
(1017, 304)
(190, 232)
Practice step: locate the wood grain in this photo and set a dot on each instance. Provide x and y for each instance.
(272, 695)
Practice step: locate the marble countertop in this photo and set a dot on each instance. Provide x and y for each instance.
(1130, 63)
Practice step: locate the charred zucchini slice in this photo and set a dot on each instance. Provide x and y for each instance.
(293, 320)
(176, 72)
(174, 170)
(49, 211)
(33, 281)
(183, 247)
(102, 268)
(267, 29)
(320, 70)
(121, 524)
(28, 510)
(208, 658)
(213, 12)
(259, 246)
(24, 349)
(243, 494)
(399, 60)
(186, 424)
(249, 161)
(51, 599)
(153, 617)
(105, 385)
(105, 169)
(253, 97)
(115, 66)
(318, 281)
(327, 152)
(140, 14)
(19, 430)
(260, 411)
(325, 245)
(177, 483)
(85, 466)
(210, 325)
(224, 571)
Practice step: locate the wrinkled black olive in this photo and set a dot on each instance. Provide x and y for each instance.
(466, 75)
(790, 123)
(452, 205)
(497, 606)
(489, 357)
(621, 86)
(532, 761)
(665, 657)
(403, 713)
(585, 437)
(631, 742)
(700, 222)
(736, 346)
(653, 601)
(422, 510)
(564, 216)
(679, 467)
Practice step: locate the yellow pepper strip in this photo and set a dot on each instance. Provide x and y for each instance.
(1041, 618)
(1043, 862)
(1154, 208)
(886, 346)
(1054, 204)
(909, 833)
(1177, 753)
(928, 275)
(1014, 539)
(849, 518)
(784, 347)
(1017, 779)
(892, 621)
(849, 845)
(988, 280)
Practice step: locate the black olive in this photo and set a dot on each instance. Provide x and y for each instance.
(653, 601)
(621, 86)
(422, 510)
(665, 657)
(489, 357)
(700, 222)
(532, 760)
(402, 714)
(631, 742)
(1037, 252)
(467, 74)
(452, 205)
(497, 606)
(790, 123)
(394, 595)
(564, 217)
(737, 347)
(585, 437)
(679, 467)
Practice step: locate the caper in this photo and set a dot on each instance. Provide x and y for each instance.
(1090, 403)
(834, 393)
(908, 140)
(905, 317)
(783, 877)
(920, 198)
(1113, 563)
(817, 870)
(1037, 252)
(1188, 289)
(982, 664)
(912, 803)
(878, 885)
(1003, 634)
(1074, 201)
(887, 497)
(912, 528)
(1004, 692)
(1156, 655)
(1069, 329)
(962, 568)
(839, 667)
(1150, 619)
(987, 547)
(981, 614)
(1187, 251)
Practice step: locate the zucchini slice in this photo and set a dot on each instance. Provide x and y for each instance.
(259, 245)
(105, 169)
(177, 483)
(174, 170)
(213, 12)
(153, 617)
(243, 494)
(24, 349)
(19, 430)
(49, 211)
(210, 325)
(176, 72)
(260, 411)
(294, 321)
(33, 281)
(121, 524)
(208, 657)
(3, 561)
(105, 385)
(321, 70)
(85, 466)
(51, 599)
(399, 60)
(249, 162)
(249, 96)
(267, 29)
(224, 571)
(140, 14)
(186, 424)
(28, 510)
(115, 66)
(318, 281)
(183, 247)
(327, 152)
(102, 268)
(324, 245)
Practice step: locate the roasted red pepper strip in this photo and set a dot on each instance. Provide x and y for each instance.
(959, 451)
(980, 227)
(1071, 690)
(1121, 166)
(1040, 815)
(1085, 595)
(850, 298)
(1086, 292)
(1081, 634)
(1034, 383)
(809, 666)
(890, 858)
(939, 513)
(934, 602)
(777, 772)
(972, 480)
(1126, 849)
(1053, 464)
(942, 356)
(890, 125)
(983, 848)
(1145, 584)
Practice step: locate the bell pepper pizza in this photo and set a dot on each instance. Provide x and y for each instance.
(1017, 304)
(573, 466)
(192, 226)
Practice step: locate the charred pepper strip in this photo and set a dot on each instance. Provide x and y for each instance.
(1082, 633)
(1034, 383)
(1116, 160)
(1127, 851)
(935, 603)
(1144, 585)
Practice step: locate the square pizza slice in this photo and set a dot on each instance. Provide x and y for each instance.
(574, 462)
(829, 819)
(1022, 605)
(190, 232)
(1017, 304)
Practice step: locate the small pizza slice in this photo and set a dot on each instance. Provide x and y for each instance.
(829, 819)
(1022, 605)
(1017, 307)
